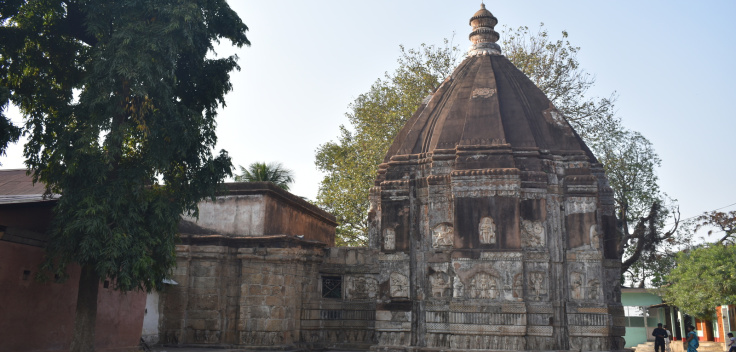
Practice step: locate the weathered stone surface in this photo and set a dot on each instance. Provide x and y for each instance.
(489, 207)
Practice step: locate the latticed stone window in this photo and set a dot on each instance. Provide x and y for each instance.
(332, 286)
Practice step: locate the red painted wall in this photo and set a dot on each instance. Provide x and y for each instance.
(38, 316)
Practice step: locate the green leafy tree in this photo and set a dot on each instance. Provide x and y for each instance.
(271, 172)
(703, 279)
(646, 249)
(375, 118)
(119, 99)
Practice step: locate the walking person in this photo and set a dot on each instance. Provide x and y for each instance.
(659, 336)
(692, 339)
(731, 343)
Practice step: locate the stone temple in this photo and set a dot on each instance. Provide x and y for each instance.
(492, 227)
(494, 221)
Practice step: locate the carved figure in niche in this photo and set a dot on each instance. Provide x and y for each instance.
(361, 288)
(518, 290)
(440, 284)
(389, 239)
(399, 285)
(484, 285)
(442, 235)
(576, 285)
(594, 238)
(532, 233)
(593, 286)
(508, 292)
(458, 289)
(537, 284)
(487, 230)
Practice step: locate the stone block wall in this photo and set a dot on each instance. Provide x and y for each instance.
(347, 320)
(239, 293)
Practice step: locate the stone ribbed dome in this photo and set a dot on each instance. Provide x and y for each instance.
(486, 102)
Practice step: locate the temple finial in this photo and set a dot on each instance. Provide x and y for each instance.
(483, 36)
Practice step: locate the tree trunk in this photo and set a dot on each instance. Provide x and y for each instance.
(86, 314)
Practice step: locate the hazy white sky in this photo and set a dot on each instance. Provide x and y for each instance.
(670, 62)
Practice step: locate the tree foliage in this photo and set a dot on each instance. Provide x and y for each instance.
(119, 100)
(703, 279)
(719, 223)
(375, 118)
(9, 133)
(630, 162)
(553, 66)
(271, 172)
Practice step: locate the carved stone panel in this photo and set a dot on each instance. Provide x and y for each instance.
(458, 288)
(487, 223)
(440, 284)
(537, 285)
(484, 285)
(389, 239)
(517, 289)
(594, 289)
(579, 205)
(442, 235)
(399, 285)
(532, 234)
(487, 230)
(594, 238)
(577, 286)
(361, 287)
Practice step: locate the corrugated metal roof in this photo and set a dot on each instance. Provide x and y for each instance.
(17, 187)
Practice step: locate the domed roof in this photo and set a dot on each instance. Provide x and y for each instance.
(487, 102)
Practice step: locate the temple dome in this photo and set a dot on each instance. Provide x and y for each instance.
(487, 102)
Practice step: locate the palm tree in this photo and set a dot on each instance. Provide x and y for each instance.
(271, 172)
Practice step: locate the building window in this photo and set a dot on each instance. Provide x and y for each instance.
(332, 286)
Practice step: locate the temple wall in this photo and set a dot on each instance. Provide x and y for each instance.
(250, 296)
(345, 317)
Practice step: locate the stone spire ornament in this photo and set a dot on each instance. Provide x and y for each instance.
(483, 36)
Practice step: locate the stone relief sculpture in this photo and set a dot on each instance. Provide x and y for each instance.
(458, 289)
(576, 285)
(442, 235)
(485, 286)
(532, 234)
(518, 288)
(487, 230)
(578, 205)
(594, 238)
(399, 285)
(537, 284)
(440, 284)
(593, 287)
(389, 239)
(361, 288)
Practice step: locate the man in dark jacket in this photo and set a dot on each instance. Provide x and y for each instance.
(659, 336)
